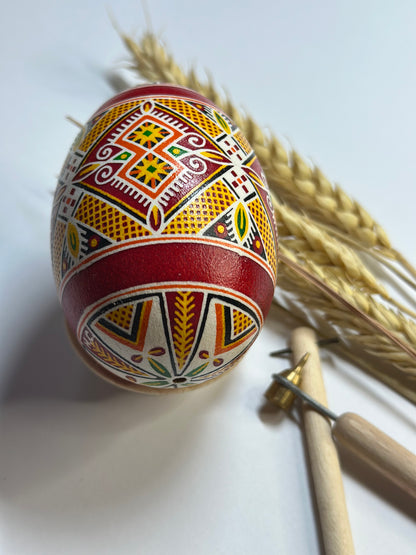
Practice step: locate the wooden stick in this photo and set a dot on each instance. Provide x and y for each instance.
(323, 456)
(377, 449)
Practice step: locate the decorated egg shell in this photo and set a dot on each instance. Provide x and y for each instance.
(164, 244)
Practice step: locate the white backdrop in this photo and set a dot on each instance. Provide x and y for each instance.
(86, 468)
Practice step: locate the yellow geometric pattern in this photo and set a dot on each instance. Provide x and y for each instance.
(197, 117)
(202, 210)
(240, 322)
(58, 241)
(121, 316)
(151, 170)
(183, 332)
(108, 358)
(148, 134)
(108, 220)
(105, 121)
(242, 141)
(265, 229)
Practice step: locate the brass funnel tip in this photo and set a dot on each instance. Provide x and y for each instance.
(280, 395)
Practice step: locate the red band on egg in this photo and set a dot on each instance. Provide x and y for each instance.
(170, 262)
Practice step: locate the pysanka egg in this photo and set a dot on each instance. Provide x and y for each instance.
(163, 241)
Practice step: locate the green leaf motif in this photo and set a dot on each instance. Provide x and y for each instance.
(241, 221)
(158, 367)
(222, 122)
(197, 370)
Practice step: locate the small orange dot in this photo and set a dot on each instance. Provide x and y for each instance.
(258, 244)
(221, 228)
(94, 242)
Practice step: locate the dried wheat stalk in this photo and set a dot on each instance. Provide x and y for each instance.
(363, 310)
(369, 350)
(310, 241)
(321, 228)
(300, 235)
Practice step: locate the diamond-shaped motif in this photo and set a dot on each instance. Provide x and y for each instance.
(151, 171)
(148, 134)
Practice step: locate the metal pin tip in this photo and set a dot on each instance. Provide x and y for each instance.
(284, 382)
(279, 394)
(320, 343)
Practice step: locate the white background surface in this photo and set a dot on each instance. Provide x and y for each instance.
(86, 468)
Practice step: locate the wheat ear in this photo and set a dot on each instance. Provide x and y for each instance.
(302, 236)
(363, 311)
(309, 241)
(370, 350)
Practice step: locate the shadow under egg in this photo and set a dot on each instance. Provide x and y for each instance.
(67, 434)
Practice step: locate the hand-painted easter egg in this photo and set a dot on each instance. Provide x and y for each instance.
(163, 241)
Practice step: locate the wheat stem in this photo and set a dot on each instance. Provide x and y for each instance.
(328, 314)
(361, 306)
(349, 348)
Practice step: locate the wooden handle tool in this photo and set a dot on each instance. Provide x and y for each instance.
(323, 456)
(366, 441)
(379, 450)
(363, 439)
(350, 430)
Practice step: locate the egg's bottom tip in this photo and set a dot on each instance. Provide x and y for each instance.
(93, 365)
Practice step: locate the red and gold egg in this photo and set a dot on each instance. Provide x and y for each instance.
(164, 245)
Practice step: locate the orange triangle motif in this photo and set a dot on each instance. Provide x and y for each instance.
(233, 328)
(127, 324)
